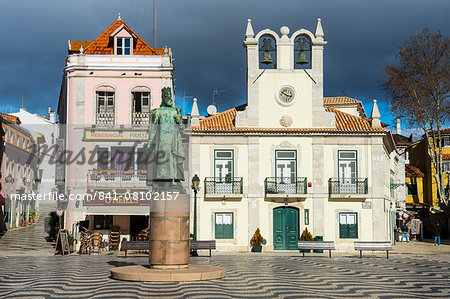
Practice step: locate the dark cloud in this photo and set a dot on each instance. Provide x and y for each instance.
(206, 37)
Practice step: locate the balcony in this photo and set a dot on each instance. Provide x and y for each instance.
(141, 119)
(223, 188)
(347, 187)
(286, 187)
(105, 119)
(119, 179)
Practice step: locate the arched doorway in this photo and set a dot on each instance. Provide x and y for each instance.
(285, 228)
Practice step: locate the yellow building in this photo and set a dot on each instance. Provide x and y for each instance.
(427, 195)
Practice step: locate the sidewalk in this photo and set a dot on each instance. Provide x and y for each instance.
(424, 247)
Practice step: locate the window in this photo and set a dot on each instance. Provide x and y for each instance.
(103, 222)
(286, 166)
(446, 166)
(411, 189)
(123, 46)
(306, 216)
(223, 165)
(347, 171)
(142, 158)
(102, 157)
(348, 225)
(445, 141)
(105, 101)
(224, 225)
(141, 101)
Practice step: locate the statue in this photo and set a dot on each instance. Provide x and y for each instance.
(165, 143)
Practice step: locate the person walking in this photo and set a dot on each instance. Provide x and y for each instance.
(437, 234)
(404, 229)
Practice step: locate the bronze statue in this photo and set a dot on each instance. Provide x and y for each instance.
(165, 143)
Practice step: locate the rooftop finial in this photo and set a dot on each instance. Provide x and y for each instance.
(249, 32)
(375, 115)
(319, 30)
(118, 17)
(81, 49)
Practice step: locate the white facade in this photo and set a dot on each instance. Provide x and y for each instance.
(286, 161)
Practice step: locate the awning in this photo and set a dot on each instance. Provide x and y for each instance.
(126, 210)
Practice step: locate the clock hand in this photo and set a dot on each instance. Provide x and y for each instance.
(288, 95)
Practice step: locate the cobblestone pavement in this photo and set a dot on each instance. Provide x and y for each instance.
(249, 275)
(31, 238)
(29, 269)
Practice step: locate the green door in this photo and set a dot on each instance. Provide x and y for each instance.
(285, 228)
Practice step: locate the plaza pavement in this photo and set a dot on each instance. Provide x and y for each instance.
(414, 270)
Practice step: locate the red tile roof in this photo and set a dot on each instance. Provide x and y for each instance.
(104, 45)
(412, 171)
(339, 101)
(445, 156)
(75, 45)
(11, 118)
(225, 121)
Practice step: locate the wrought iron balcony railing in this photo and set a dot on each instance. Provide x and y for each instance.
(119, 179)
(286, 185)
(347, 186)
(105, 119)
(232, 185)
(140, 119)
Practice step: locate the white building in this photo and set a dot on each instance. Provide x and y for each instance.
(45, 131)
(291, 159)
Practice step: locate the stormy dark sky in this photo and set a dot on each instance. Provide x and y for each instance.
(206, 37)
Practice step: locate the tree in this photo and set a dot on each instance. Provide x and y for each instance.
(418, 91)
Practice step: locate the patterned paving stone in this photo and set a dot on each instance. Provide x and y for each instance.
(249, 276)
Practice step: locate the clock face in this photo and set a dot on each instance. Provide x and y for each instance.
(286, 95)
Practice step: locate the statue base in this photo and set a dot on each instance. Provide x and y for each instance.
(145, 273)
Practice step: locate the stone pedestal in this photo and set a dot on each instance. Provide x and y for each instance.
(169, 232)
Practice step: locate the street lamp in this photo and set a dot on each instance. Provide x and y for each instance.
(9, 179)
(195, 187)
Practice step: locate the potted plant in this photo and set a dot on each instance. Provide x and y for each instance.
(98, 170)
(306, 236)
(111, 171)
(257, 241)
(31, 216)
(144, 169)
(129, 171)
(22, 222)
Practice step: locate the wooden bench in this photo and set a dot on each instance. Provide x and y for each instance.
(316, 245)
(373, 246)
(195, 245)
(145, 245)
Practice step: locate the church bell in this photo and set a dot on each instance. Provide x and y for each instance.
(302, 47)
(267, 48)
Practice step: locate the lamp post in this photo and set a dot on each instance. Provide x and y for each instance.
(195, 187)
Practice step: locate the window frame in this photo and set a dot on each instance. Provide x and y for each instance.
(227, 159)
(287, 159)
(356, 223)
(106, 98)
(104, 217)
(410, 187)
(122, 47)
(348, 159)
(141, 100)
(223, 237)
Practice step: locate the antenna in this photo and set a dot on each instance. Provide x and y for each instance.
(21, 101)
(216, 91)
(154, 23)
(185, 97)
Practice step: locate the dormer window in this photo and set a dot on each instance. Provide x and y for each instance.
(123, 46)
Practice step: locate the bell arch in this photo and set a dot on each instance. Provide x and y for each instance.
(267, 49)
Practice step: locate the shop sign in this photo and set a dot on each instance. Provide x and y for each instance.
(117, 199)
(115, 135)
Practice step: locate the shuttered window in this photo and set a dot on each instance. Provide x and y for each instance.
(224, 226)
(348, 225)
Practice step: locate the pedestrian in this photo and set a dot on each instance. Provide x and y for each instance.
(437, 234)
(404, 229)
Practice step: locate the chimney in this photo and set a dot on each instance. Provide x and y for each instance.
(52, 117)
(49, 110)
(399, 127)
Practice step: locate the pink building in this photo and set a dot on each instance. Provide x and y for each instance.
(109, 87)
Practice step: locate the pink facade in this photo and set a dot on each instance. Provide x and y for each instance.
(110, 85)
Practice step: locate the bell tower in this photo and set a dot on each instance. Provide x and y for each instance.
(285, 79)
